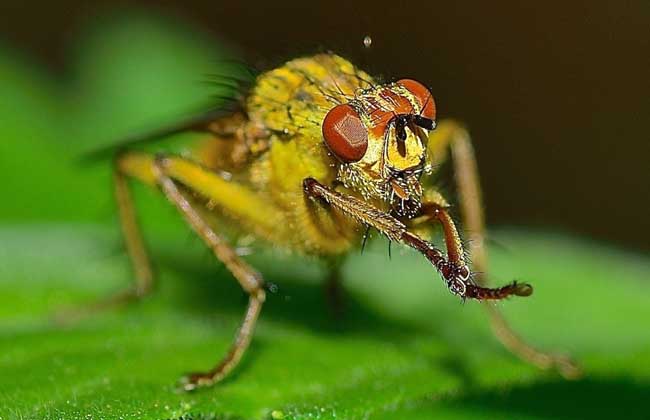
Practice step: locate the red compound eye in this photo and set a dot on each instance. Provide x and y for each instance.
(423, 96)
(345, 134)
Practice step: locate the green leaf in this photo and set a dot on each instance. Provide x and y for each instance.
(404, 348)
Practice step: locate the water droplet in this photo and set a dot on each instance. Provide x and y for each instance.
(367, 41)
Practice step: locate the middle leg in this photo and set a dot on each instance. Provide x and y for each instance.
(333, 288)
(168, 173)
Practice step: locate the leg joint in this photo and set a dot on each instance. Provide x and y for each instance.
(258, 294)
(308, 185)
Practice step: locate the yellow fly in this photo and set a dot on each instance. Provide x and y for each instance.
(315, 154)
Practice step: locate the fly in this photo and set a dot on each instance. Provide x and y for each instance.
(316, 154)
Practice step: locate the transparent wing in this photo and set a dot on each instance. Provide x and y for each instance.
(196, 122)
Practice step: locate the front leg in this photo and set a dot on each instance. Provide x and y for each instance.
(451, 137)
(453, 270)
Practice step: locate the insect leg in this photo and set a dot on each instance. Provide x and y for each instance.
(132, 237)
(452, 136)
(168, 173)
(455, 273)
(137, 252)
(333, 288)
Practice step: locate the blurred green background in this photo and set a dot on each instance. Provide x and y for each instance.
(554, 97)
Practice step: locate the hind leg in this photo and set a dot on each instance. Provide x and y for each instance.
(142, 271)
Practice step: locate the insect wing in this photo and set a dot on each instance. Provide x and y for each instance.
(198, 122)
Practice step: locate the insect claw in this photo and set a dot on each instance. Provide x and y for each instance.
(193, 381)
(185, 384)
(522, 289)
